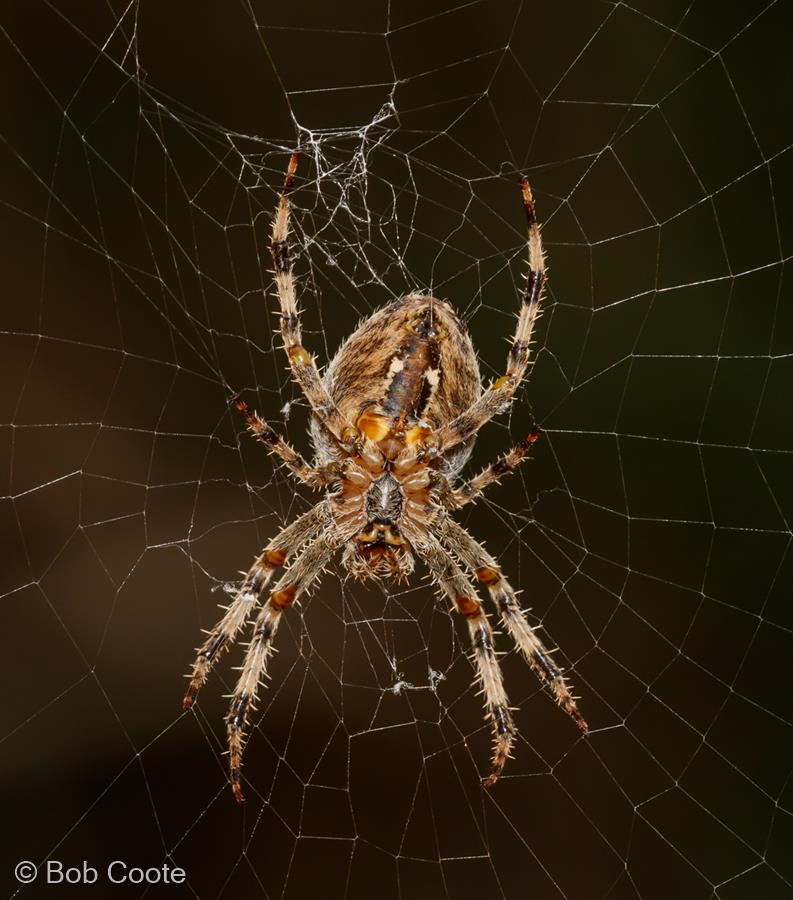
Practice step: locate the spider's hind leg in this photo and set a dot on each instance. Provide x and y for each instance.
(498, 396)
(304, 368)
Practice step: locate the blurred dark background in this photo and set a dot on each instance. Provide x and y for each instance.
(650, 534)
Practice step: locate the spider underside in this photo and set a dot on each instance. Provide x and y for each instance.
(394, 420)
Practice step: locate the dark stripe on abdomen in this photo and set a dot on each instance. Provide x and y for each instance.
(411, 388)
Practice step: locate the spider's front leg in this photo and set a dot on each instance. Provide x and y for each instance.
(455, 585)
(246, 599)
(303, 366)
(474, 556)
(499, 394)
(299, 576)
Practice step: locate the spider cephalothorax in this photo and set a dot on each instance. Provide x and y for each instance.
(394, 420)
(378, 550)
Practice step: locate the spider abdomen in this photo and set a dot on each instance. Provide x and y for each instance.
(409, 367)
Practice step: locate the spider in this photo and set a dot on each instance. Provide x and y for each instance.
(394, 419)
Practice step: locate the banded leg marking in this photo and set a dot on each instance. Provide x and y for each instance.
(506, 464)
(246, 599)
(501, 392)
(316, 477)
(298, 577)
(244, 697)
(474, 556)
(304, 368)
(456, 586)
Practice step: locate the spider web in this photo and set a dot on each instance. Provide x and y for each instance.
(143, 147)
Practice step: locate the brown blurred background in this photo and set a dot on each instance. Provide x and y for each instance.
(142, 147)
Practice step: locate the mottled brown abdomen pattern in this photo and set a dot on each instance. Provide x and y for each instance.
(422, 334)
(411, 360)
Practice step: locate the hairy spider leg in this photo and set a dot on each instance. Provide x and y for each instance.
(504, 465)
(499, 394)
(452, 581)
(246, 599)
(305, 569)
(304, 368)
(475, 558)
(314, 476)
